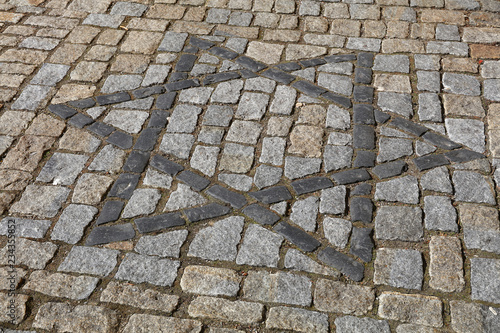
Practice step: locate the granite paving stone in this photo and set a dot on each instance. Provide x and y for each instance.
(72, 223)
(110, 212)
(261, 214)
(439, 213)
(25, 227)
(166, 244)
(177, 144)
(91, 188)
(399, 268)
(41, 201)
(361, 209)
(468, 132)
(142, 202)
(33, 254)
(87, 260)
(404, 189)
(446, 266)
(354, 324)
(417, 309)
(399, 223)
(222, 309)
(337, 231)
(481, 227)
(472, 187)
(136, 162)
(219, 241)
(182, 197)
(260, 247)
(279, 288)
(62, 285)
(141, 268)
(109, 159)
(335, 296)
(395, 102)
(124, 186)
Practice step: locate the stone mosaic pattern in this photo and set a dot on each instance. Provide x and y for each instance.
(205, 177)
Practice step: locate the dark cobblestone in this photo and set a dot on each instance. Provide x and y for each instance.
(220, 77)
(261, 214)
(194, 180)
(184, 84)
(250, 64)
(298, 237)
(83, 103)
(80, 120)
(146, 92)
(351, 176)
(361, 209)
(346, 265)
(136, 162)
(159, 222)
(209, 211)
(278, 76)
(121, 140)
(236, 200)
(440, 141)
(311, 185)
(109, 234)
(101, 129)
(272, 195)
(390, 169)
(110, 212)
(124, 186)
(223, 53)
(113, 98)
(163, 164)
(363, 94)
(408, 126)
(362, 243)
(308, 88)
(147, 139)
(430, 161)
(62, 110)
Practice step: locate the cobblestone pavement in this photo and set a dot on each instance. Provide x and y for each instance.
(233, 166)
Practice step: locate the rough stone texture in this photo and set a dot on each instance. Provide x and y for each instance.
(399, 223)
(438, 180)
(300, 320)
(481, 227)
(42, 201)
(468, 132)
(78, 140)
(142, 202)
(163, 245)
(72, 222)
(25, 227)
(306, 141)
(261, 286)
(61, 285)
(472, 187)
(304, 213)
(109, 159)
(88, 260)
(484, 279)
(236, 158)
(78, 319)
(150, 323)
(183, 197)
(260, 247)
(33, 254)
(218, 242)
(27, 153)
(62, 169)
(210, 281)
(140, 268)
(90, 188)
(337, 231)
(148, 299)
(404, 189)
(399, 268)
(339, 297)
(416, 309)
(446, 266)
(439, 214)
(391, 149)
(20, 306)
(298, 167)
(222, 309)
(349, 324)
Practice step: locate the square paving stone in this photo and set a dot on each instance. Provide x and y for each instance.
(404, 189)
(399, 268)
(218, 115)
(333, 200)
(142, 202)
(90, 188)
(440, 214)
(236, 158)
(183, 119)
(348, 324)
(166, 244)
(140, 268)
(399, 223)
(109, 159)
(244, 132)
(284, 100)
(204, 159)
(252, 106)
(72, 223)
(62, 169)
(42, 201)
(89, 260)
(178, 145)
(485, 280)
(305, 212)
(396, 102)
(472, 187)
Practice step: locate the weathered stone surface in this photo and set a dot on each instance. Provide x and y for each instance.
(19, 310)
(439, 214)
(446, 266)
(150, 323)
(148, 299)
(90, 188)
(333, 200)
(78, 319)
(167, 244)
(404, 189)
(481, 227)
(89, 260)
(466, 317)
(265, 52)
(183, 197)
(399, 223)
(25, 227)
(140, 268)
(472, 187)
(399, 268)
(260, 247)
(306, 141)
(304, 213)
(62, 169)
(42, 201)
(142, 202)
(109, 159)
(27, 153)
(367, 325)
(469, 132)
(236, 158)
(72, 222)
(484, 279)
(337, 231)
(33, 254)
(222, 309)
(334, 296)
(218, 242)
(61, 285)
(416, 309)
(296, 319)
(437, 179)
(210, 281)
